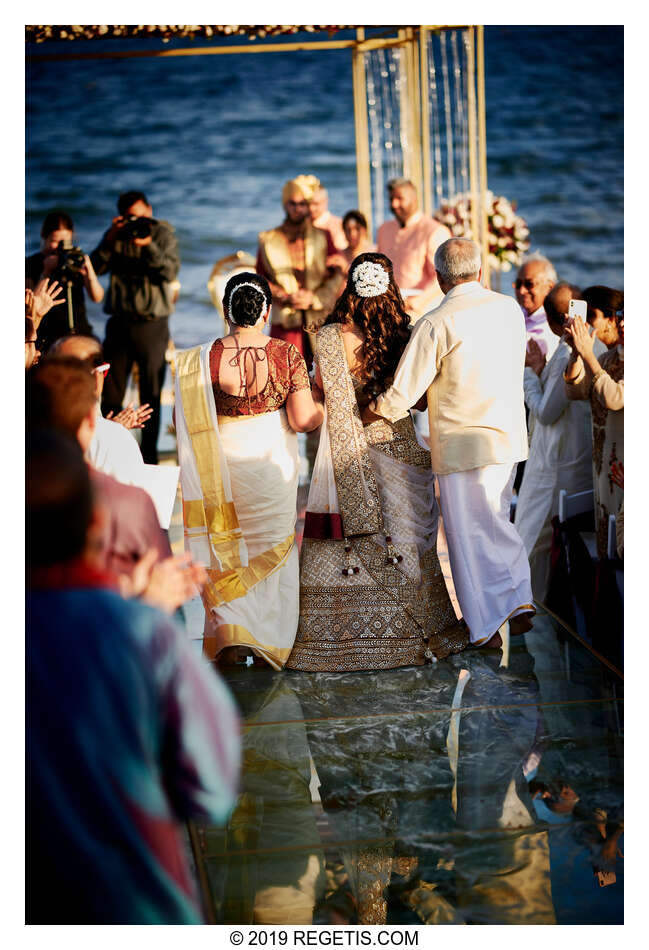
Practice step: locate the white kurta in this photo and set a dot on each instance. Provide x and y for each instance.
(488, 561)
(561, 452)
(468, 354)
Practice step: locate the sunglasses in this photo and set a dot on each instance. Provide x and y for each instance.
(102, 368)
(528, 284)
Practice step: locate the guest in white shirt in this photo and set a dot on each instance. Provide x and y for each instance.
(468, 356)
(561, 446)
(535, 279)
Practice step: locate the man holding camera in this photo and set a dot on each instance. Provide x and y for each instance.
(58, 260)
(142, 257)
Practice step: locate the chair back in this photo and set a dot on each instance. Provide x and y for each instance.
(575, 504)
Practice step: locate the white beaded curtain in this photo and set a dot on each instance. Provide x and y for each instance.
(385, 79)
(448, 78)
(385, 72)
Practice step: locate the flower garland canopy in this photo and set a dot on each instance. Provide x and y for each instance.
(508, 232)
(41, 34)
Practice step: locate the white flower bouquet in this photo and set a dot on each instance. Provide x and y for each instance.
(508, 232)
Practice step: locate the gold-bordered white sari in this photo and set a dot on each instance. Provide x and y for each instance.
(239, 477)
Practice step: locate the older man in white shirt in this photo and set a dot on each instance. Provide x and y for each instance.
(535, 279)
(468, 356)
(561, 444)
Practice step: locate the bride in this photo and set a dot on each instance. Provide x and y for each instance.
(372, 594)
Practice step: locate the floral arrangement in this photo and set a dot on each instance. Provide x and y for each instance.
(508, 232)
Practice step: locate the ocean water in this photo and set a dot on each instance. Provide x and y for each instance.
(211, 140)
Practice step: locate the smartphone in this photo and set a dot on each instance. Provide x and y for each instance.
(577, 308)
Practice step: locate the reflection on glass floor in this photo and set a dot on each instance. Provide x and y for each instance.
(427, 795)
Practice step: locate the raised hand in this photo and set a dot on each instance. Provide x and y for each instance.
(582, 341)
(534, 357)
(46, 295)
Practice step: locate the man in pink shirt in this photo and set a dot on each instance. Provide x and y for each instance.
(410, 242)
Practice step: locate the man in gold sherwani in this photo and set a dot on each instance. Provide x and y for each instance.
(292, 257)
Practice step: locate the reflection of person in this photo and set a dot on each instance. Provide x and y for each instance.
(276, 873)
(46, 263)
(293, 258)
(561, 445)
(410, 241)
(372, 593)
(239, 402)
(602, 382)
(468, 355)
(321, 217)
(142, 266)
(535, 279)
(128, 734)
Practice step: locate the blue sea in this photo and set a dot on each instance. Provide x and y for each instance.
(211, 139)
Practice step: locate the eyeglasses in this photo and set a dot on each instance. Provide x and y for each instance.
(297, 204)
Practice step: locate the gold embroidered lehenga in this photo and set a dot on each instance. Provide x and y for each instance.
(372, 593)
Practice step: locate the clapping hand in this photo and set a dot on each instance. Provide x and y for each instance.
(131, 417)
(166, 584)
(535, 357)
(617, 474)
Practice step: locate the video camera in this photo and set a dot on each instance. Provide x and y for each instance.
(136, 227)
(71, 261)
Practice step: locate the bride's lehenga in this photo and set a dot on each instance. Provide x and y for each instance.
(372, 593)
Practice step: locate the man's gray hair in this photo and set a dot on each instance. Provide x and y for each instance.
(548, 269)
(457, 260)
(400, 183)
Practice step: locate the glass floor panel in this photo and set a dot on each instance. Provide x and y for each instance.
(459, 792)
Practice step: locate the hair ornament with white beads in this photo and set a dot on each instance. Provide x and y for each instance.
(370, 279)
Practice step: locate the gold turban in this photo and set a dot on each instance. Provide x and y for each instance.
(307, 185)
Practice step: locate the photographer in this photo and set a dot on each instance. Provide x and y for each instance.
(142, 257)
(60, 261)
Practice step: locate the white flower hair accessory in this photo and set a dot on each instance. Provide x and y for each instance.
(370, 279)
(247, 283)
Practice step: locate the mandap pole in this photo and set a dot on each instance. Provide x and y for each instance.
(425, 121)
(363, 179)
(482, 157)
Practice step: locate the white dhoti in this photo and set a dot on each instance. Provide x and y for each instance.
(490, 569)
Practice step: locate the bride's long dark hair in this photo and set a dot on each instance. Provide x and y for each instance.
(382, 320)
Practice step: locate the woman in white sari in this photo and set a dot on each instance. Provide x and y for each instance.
(239, 402)
(372, 593)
